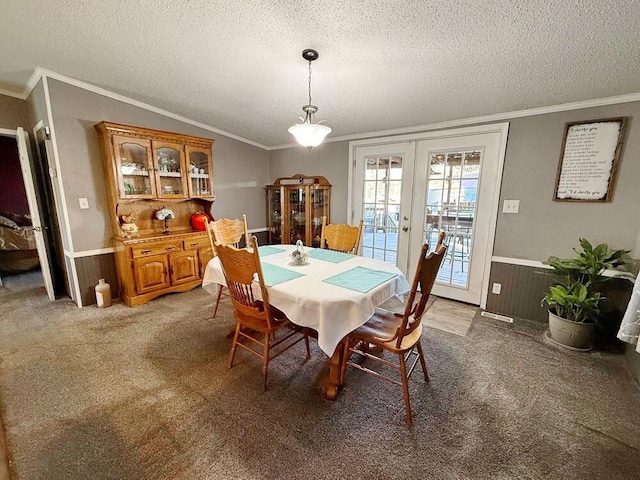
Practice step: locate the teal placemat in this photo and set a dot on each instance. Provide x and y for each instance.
(273, 275)
(360, 279)
(329, 255)
(267, 250)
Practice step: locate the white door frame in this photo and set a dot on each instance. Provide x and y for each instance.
(22, 138)
(501, 128)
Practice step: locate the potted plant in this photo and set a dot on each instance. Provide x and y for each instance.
(575, 300)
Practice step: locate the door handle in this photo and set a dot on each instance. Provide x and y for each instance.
(405, 229)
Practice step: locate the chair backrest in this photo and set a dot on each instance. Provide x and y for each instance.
(340, 237)
(228, 232)
(240, 267)
(425, 277)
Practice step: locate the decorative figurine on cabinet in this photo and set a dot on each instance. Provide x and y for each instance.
(128, 225)
(165, 214)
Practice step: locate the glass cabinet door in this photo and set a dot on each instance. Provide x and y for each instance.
(319, 208)
(274, 215)
(297, 216)
(133, 166)
(199, 166)
(170, 171)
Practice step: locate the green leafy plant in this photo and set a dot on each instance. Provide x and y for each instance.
(575, 296)
(573, 302)
(589, 264)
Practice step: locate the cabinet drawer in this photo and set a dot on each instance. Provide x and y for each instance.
(155, 248)
(197, 242)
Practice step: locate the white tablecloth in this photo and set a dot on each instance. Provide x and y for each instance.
(307, 301)
(630, 327)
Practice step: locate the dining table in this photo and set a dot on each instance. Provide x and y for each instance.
(334, 293)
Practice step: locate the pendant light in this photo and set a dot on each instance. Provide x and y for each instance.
(309, 133)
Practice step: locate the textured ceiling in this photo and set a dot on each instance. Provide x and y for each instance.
(237, 66)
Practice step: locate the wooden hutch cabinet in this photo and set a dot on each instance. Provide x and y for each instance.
(147, 170)
(295, 207)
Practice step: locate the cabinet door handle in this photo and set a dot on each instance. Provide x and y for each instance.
(145, 252)
(171, 248)
(193, 244)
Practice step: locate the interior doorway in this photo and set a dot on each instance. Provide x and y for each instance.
(408, 189)
(18, 250)
(25, 233)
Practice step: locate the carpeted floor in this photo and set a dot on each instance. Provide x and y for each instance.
(144, 393)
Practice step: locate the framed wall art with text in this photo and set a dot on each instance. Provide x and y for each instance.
(589, 159)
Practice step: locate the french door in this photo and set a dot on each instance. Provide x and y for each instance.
(382, 199)
(408, 191)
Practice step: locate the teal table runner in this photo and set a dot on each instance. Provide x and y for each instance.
(267, 250)
(273, 275)
(329, 255)
(360, 279)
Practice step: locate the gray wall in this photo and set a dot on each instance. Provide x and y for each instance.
(543, 227)
(37, 107)
(329, 160)
(13, 113)
(240, 170)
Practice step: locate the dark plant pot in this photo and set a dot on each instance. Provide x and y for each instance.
(569, 333)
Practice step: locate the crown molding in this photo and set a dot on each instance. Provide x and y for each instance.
(41, 72)
(497, 117)
(11, 93)
(35, 77)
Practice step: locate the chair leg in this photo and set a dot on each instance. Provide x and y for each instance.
(422, 363)
(306, 343)
(215, 310)
(405, 389)
(234, 345)
(265, 360)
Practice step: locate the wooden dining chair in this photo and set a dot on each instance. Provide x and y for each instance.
(255, 318)
(340, 237)
(227, 232)
(399, 333)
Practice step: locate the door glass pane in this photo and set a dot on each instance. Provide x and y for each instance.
(275, 216)
(319, 209)
(452, 189)
(297, 216)
(133, 167)
(381, 207)
(169, 172)
(199, 173)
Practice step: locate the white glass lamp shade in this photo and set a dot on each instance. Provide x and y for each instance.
(309, 134)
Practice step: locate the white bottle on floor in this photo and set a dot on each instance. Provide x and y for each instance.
(103, 293)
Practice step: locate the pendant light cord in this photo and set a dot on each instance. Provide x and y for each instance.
(309, 82)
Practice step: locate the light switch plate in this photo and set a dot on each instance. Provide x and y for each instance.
(84, 203)
(511, 206)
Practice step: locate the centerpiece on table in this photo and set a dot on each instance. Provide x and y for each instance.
(299, 256)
